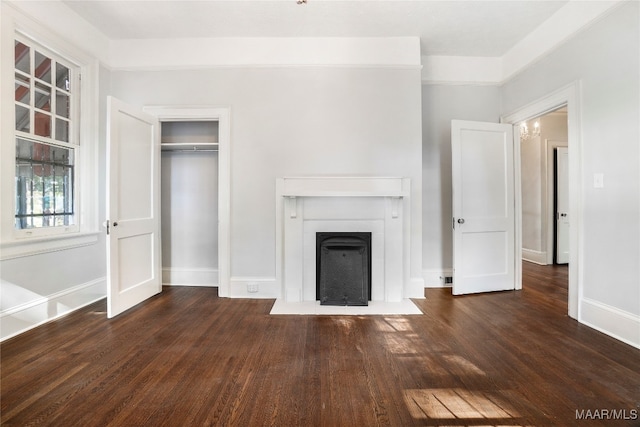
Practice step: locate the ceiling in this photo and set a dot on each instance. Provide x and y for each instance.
(447, 28)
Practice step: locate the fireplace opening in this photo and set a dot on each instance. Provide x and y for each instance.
(343, 268)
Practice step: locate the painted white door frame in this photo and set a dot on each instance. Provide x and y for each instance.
(222, 116)
(569, 96)
(549, 212)
(562, 215)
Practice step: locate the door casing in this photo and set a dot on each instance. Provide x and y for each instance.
(222, 116)
(568, 96)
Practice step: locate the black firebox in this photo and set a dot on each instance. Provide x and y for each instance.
(343, 268)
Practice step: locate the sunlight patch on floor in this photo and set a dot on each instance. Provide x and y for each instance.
(466, 366)
(458, 404)
(400, 344)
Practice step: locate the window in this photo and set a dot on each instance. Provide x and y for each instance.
(49, 141)
(46, 104)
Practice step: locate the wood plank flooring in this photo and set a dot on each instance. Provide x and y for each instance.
(189, 358)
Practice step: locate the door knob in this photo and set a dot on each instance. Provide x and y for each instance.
(115, 224)
(460, 220)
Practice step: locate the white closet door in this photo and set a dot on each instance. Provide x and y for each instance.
(133, 208)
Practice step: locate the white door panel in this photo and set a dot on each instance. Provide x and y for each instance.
(133, 252)
(483, 207)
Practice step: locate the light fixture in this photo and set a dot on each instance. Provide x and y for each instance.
(524, 130)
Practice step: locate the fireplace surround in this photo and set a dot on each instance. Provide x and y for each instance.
(376, 205)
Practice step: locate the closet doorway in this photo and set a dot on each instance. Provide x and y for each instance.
(189, 203)
(196, 195)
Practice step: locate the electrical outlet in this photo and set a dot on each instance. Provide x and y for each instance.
(448, 280)
(252, 288)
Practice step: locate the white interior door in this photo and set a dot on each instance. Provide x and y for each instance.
(562, 205)
(133, 208)
(483, 207)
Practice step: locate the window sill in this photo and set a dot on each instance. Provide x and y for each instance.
(36, 246)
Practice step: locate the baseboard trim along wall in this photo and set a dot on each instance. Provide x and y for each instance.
(206, 277)
(536, 257)
(254, 287)
(612, 321)
(21, 318)
(436, 278)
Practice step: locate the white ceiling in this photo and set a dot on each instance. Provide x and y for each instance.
(447, 28)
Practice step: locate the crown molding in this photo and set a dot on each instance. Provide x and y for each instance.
(370, 52)
(569, 20)
(195, 53)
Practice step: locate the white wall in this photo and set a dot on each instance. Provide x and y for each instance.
(189, 218)
(604, 58)
(440, 105)
(297, 121)
(38, 288)
(531, 157)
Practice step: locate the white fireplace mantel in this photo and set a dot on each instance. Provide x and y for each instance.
(344, 187)
(307, 205)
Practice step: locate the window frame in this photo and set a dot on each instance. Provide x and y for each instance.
(15, 242)
(74, 140)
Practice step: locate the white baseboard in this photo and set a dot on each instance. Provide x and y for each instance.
(536, 257)
(207, 277)
(612, 321)
(435, 278)
(19, 319)
(415, 289)
(265, 287)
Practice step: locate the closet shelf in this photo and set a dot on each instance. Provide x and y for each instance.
(181, 146)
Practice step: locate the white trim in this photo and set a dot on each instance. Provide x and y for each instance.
(145, 54)
(549, 214)
(21, 318)
(223, 116)
(266, 287)
(569, 20)
(612, 321)
(180, 67)
(206, 277)
(517, 177)
(396, 192)
(336, 186)
(16, 243)
(569, 96)
(29, 247)
(416, 287)
(536, 257)
(436, 278)
(461, 70)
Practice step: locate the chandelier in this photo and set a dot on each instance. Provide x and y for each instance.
(525, 134)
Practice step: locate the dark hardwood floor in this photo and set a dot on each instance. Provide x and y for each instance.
(189, 358)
